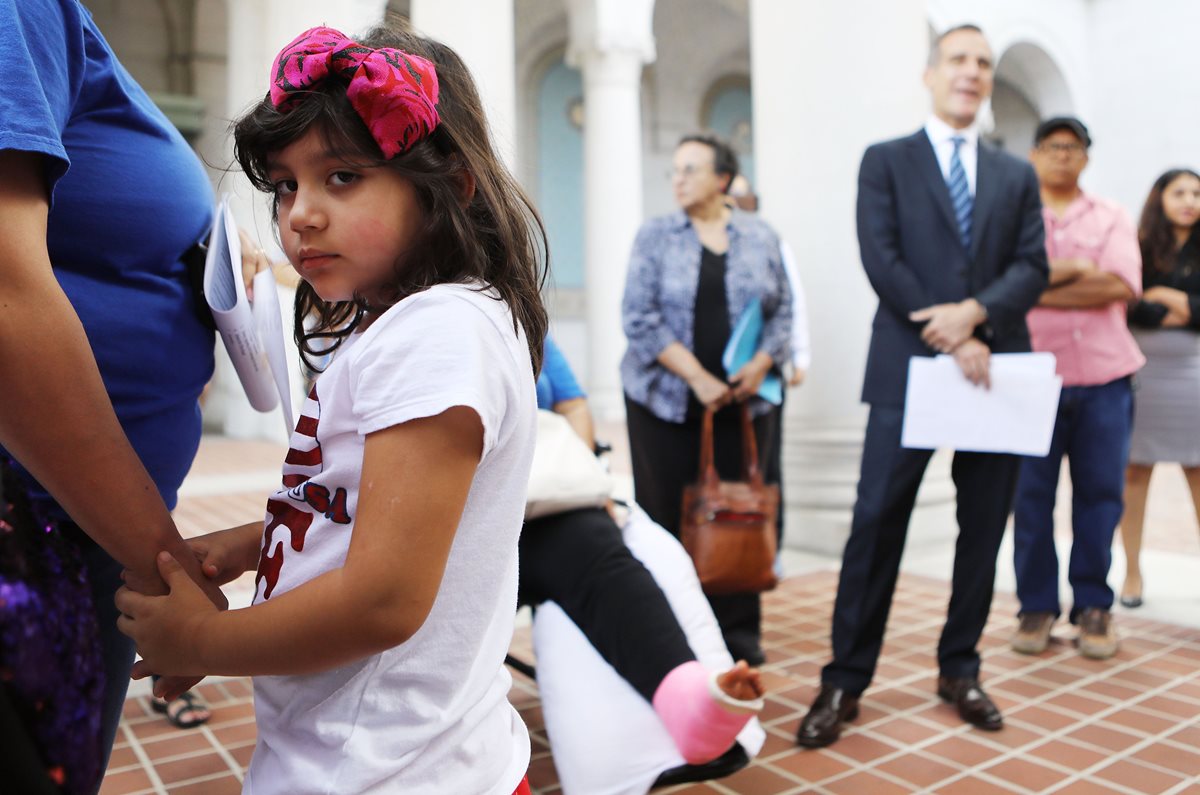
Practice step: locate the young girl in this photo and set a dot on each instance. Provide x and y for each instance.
(387, 567)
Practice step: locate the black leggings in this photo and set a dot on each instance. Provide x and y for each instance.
(579, 560)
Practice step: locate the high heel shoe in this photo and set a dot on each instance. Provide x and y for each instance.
(1131, 601)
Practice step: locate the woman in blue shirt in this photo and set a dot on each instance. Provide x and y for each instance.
(691, 275)
(103, 357)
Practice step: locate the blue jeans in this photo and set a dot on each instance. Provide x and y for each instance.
(1092, 431)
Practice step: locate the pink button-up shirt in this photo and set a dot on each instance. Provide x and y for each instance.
(1093, 346)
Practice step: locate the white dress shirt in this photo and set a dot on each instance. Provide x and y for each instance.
(801, 350)
(941, 134)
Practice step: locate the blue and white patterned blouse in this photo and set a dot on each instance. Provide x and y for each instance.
(660, 299)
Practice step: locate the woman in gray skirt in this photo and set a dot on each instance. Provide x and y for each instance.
(1166, 324)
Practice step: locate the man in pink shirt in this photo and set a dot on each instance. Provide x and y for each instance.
(1095, 268)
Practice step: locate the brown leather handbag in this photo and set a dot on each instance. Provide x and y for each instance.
(729, 527)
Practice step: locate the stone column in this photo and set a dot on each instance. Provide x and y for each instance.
(611, 41)
(482, 35)
(827, 82)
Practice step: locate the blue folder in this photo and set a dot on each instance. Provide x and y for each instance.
(743, 344)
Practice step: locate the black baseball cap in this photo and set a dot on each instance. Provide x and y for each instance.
(1062, 123)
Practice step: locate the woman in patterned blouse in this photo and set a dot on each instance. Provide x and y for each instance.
(691, 275)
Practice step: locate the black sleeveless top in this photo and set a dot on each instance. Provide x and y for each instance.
(710, 324)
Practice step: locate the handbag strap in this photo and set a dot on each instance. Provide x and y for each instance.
(751, 473)
(708, 469)
(750, 470)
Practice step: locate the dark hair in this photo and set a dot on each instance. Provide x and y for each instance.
(935, 46)
(1155, 233)
(497, 237)
(725, 160)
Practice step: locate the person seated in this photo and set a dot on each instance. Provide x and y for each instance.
(578, 560)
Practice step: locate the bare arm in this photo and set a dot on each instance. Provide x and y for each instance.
(57, 419)
(1063, 271)
(579, 416)
(377, 600)
(1086, 291)
(710, 390)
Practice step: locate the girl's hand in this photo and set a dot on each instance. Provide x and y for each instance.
(711, 391)
(254, 260)
(168, 630)
(225, 555)
(747, 380)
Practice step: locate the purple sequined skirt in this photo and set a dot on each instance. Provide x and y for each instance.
(50, 656)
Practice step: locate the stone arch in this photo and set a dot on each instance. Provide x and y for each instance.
(727, 109)
(556, 133)
(1030, 85)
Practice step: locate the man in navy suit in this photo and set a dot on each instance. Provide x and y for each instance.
(950, 233)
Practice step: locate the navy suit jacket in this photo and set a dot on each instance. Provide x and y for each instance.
(913, 255)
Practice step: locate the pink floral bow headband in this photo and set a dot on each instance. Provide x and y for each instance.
(394, 92)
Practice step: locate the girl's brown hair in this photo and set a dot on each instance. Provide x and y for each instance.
(1155, 232)
(495, 237)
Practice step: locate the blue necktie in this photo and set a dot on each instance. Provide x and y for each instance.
(960, 194)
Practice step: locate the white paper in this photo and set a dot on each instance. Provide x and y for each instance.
(252, 333)
(942, 409)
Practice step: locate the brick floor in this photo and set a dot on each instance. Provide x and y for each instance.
(1128, 725)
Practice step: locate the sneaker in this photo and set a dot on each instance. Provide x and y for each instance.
(1033, 633)
(1097, 634)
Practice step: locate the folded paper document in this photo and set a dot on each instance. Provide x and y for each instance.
(252, 331)
(1016, 415)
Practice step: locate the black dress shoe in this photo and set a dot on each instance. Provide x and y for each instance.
(823, 723)
(973, 704)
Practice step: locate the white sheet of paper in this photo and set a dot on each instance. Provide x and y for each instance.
(943, 409)
(252, 331)
(268, 318)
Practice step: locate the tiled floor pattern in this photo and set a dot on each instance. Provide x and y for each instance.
(1129, 725)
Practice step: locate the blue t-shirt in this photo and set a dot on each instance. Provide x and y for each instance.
(556, 382)
(128, 198)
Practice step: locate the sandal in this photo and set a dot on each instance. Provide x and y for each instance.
(183, 712)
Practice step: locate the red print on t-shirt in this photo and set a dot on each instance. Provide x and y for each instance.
(293, 513)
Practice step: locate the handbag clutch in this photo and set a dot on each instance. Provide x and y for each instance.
(565, 475)
(728, 527)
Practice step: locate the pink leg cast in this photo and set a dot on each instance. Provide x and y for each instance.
(703, 721)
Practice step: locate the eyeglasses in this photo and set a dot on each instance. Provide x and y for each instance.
(1055, 148)
(687, 172)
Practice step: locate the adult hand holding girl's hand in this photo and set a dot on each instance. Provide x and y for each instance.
(223, 555)
(749, 378)
(171, 687)
(167, 629)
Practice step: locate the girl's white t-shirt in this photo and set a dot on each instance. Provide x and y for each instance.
(431, 715)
